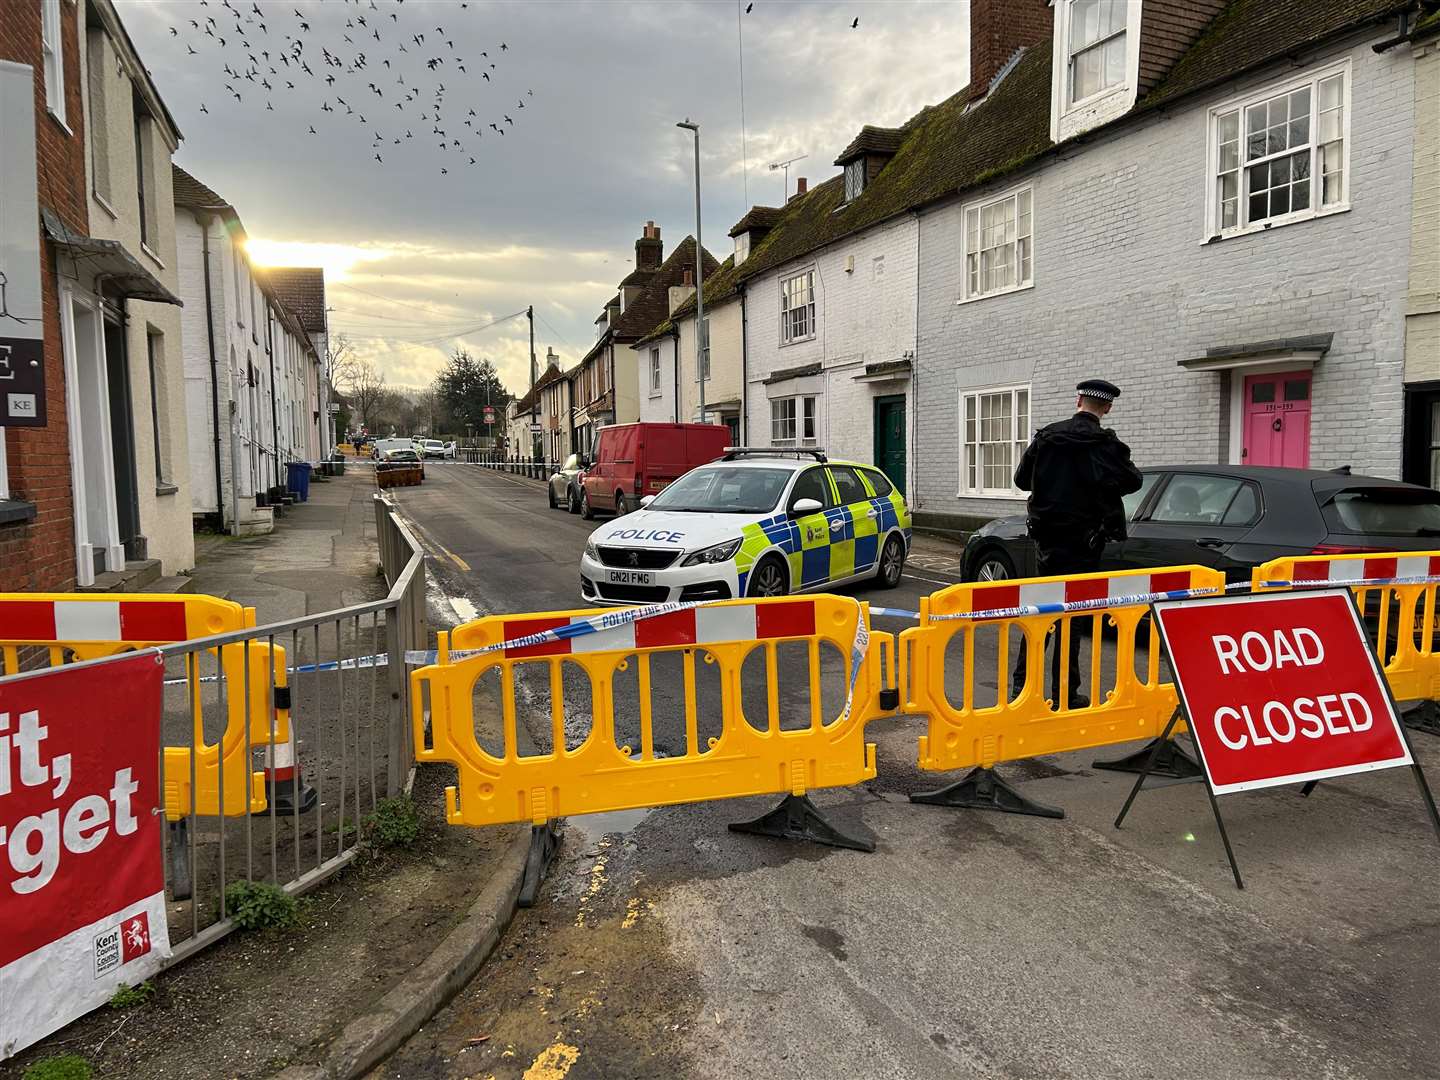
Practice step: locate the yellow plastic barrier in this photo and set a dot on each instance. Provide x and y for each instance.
(965, 734)
(1399, 610)
(601, 773)
(78, 626)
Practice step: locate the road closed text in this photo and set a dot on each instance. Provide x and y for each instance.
(1280, 687)
(1305, 717)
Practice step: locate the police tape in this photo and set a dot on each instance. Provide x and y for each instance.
(613, 620)
(1137, 599)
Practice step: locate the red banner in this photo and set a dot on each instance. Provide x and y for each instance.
(1280, 688)
(82, 884)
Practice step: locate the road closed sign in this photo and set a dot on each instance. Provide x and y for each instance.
(1281, 688)
(82, 886)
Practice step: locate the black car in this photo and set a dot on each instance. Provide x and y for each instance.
(1234, 517)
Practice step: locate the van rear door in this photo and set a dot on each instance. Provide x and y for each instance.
(664, 458)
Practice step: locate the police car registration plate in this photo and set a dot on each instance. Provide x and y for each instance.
(630, 577)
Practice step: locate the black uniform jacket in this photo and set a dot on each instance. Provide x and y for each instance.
(1077, 472)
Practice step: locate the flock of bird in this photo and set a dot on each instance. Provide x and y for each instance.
(385, 64)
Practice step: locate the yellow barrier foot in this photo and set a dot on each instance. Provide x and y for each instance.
(1173, 761)
(797, 818)
(985, 789)
(544, 839)
(1424, 717)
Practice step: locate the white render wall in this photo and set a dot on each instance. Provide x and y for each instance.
(866, 316)
(164, 503)
(656, 407)
(724, 382)
(1125, 288)
(243, 337)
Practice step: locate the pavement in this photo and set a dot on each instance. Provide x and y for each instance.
(381, 945)
(969, 944)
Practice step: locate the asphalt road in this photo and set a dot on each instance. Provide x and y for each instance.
(969, 944)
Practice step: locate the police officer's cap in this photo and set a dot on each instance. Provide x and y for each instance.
(1099, 388)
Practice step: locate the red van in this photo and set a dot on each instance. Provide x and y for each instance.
(634, 460)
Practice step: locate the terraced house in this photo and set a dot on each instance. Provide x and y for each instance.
(1208, 203)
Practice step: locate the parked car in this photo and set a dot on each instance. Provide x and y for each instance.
(564, 485)
(380, 447)
(1234, 517)
(755, 523)
(450, 450)
(400, 458)
(433, 448)
(635, 460)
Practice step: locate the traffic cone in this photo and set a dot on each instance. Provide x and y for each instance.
(284, 779)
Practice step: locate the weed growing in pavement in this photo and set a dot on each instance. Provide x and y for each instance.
(395, 823)
(259, 905)
(64, 1067)
(129, 996)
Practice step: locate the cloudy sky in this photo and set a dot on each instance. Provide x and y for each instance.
(418, 261)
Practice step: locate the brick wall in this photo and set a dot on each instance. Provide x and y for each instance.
(997, 29)
(1125, 287)
(40, 555)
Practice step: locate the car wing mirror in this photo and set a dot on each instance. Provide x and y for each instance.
(646, 500)
(805, 506)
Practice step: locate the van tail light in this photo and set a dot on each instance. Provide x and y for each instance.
(1341, 549)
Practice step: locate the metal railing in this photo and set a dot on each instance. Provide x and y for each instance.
(340, 676)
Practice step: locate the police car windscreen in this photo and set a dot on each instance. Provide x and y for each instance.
(721, 489)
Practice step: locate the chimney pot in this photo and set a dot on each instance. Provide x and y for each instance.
(801, 186)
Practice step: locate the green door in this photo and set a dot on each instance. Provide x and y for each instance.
(890, 438)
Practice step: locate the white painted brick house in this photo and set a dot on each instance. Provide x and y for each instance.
(252, 374)
(1232, 251)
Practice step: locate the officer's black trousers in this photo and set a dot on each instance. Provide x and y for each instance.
(1052, 560)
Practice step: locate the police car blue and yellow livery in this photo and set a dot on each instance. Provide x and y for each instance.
(755, 523)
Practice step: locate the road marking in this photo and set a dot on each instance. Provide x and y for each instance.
(931, 580)
(459, 561)
(429, 538)
(464, 610)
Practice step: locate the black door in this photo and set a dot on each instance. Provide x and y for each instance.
(122, 439)
(1193, 520)
(1422, 434)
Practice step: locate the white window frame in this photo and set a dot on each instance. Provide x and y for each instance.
(1071, 117)
(655, 371)
(804, 414)
(1068, 75)
(978, 208)
(52, 51)
(1240, 104)
(854, 179)
(786, 338)
(1019, 438)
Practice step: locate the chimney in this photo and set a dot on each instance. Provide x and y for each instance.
(649, 251)
(678, 294)
(689, 278)
(551, 360)
(801, 186)
(998, 29)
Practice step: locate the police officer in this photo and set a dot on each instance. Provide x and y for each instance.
(1077, 473)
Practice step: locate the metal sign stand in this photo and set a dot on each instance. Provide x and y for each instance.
(1149, 767)
(1165, 748)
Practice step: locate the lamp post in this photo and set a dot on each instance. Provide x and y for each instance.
(694, 129)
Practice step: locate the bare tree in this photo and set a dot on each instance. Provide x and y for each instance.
(364, 387)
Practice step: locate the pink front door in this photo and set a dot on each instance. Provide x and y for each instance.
(1277, 420)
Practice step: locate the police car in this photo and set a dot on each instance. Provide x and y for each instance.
(757, 522)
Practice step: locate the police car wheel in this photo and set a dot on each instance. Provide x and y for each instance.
(892, 562)
(769, 578)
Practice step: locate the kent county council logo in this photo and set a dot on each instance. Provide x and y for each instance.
(121, 944)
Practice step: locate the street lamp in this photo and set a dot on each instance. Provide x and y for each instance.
(699, 270)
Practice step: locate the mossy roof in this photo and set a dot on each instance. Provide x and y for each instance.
(947, 148)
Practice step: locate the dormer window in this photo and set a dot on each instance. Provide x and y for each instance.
(1096, 48)
(1096, 74)
(854, 179)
